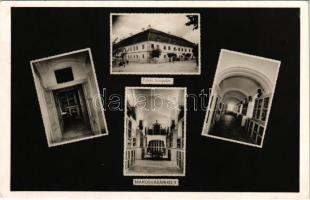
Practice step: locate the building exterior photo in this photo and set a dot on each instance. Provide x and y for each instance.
(155, 43)
(142, 48)
(66, 86)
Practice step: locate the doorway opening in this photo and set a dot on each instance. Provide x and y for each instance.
(72, 112)
(156, 150)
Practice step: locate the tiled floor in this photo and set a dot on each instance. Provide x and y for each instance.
(74, 130)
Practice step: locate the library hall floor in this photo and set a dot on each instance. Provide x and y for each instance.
(154, 167)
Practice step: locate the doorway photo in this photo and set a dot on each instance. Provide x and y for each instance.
(154, 135)
(67, 91)
(241, 98)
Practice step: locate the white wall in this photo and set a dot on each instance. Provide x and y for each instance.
(143, 55)
(265, 66)
(46, 69)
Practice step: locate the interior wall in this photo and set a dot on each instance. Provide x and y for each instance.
(267, 67)
(76, 62)
(44, 108)
(94, 93)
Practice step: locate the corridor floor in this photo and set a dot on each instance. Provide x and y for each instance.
(153, 167)
(74, 130)
(229, 128)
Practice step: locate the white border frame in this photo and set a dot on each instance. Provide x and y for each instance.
(156, 73)
(5, 102)
(185, 138)
(88, 50)
(271, 98)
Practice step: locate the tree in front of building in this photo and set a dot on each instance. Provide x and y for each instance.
(123, 57)
(119, 56)
(188, 56)
(195, 53)
(155, 54)
(171, 56)
(193, 20)
(115, 50)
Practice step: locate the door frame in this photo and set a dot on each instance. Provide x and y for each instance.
(82, 102)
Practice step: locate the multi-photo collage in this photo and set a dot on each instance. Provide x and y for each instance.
(155, 117)
(200, 99)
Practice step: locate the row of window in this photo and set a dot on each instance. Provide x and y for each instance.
(134, 56)
(137, 56)
(134, 48)
(169, 48)
(181, 49)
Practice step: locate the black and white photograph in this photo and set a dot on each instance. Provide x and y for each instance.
(155, 43)
(154, 132)
(241, 98)
(68, 94)
(154, 99)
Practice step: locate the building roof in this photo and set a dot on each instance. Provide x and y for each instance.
(154, 35)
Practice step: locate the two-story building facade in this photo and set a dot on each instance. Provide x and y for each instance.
(139, 47)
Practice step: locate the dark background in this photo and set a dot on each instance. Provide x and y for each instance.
(211, 165)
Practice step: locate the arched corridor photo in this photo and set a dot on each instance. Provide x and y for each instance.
(154, 137)
(241, 98)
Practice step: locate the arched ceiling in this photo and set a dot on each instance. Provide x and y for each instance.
(245, 85)
(233, 95)
(157, 104)
(151, 117)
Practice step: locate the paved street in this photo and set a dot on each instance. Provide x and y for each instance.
(175, 67)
